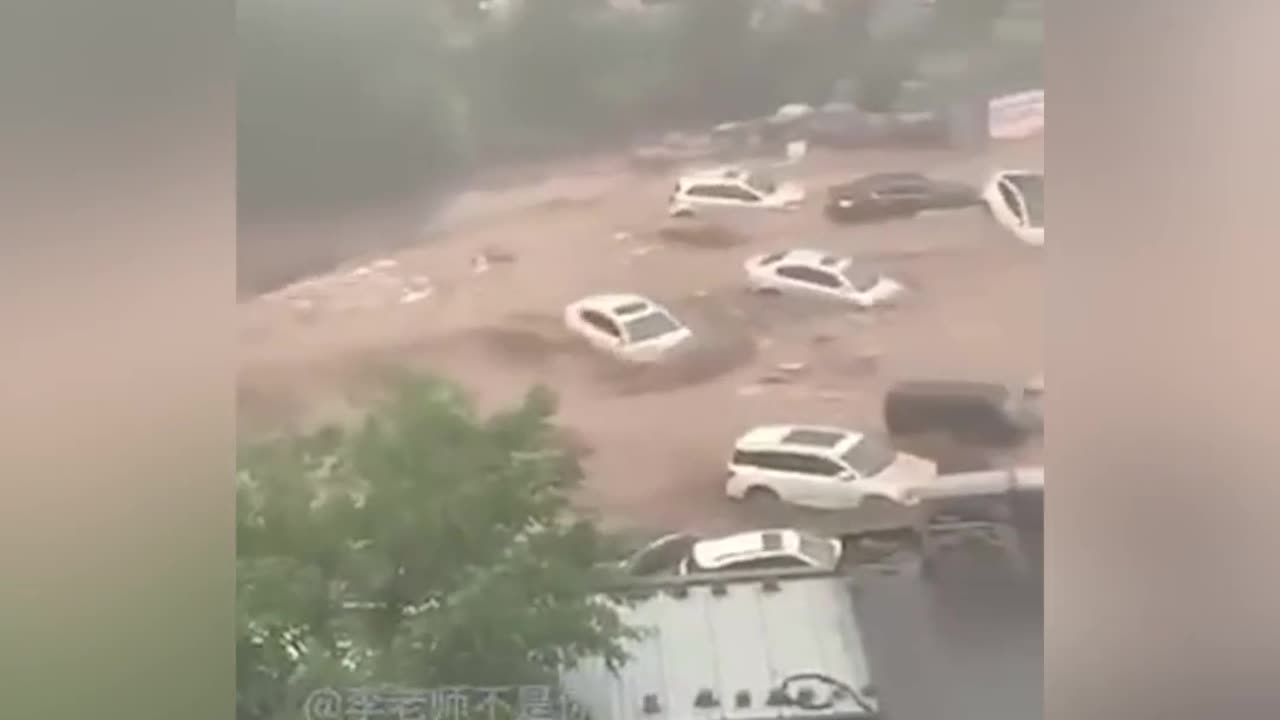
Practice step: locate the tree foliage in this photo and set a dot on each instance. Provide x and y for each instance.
(426, 547)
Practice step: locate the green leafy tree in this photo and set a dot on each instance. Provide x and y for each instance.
(426, 547)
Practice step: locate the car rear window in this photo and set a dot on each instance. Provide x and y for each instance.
(870, 456)
(655, 324)
(772, 258)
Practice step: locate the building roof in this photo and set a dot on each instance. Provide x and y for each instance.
(748, 639)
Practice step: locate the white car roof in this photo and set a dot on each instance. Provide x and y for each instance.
(814, 258)
(716, 174)
(820, 439)
(745, 546)
(608, 303)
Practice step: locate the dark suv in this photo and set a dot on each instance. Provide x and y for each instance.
(975, 412)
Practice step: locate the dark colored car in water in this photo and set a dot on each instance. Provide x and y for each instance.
(892, 195)
(976, 412)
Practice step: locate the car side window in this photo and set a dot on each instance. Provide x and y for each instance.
(1011, 199)
(709, 191)
(756, 459)
(813, 465)
(723, 192)
(600, 322)
(810, 275)
(740, 193)
(899, 192)
(790, 462)
(766, 460)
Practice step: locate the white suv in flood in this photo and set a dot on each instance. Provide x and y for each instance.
(732, 187)
(824, 467)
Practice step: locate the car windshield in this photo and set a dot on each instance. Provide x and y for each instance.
(861, 279)
(819, 550)
(762, 182)
(870, 456)
(655, 324)
(1032, 189)
(661, 555)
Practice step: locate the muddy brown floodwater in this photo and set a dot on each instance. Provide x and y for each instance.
(657, 437)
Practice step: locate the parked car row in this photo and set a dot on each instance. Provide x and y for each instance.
(817, 466)
(1014, 198)
(959, 503)
(636, 329)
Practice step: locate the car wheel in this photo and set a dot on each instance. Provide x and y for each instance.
(761, 496)
(682, 213)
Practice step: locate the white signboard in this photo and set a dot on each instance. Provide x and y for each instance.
(1017, 116)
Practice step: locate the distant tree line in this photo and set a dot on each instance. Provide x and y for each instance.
(342, 103)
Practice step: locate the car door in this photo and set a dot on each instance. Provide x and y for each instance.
(783, 472)
(897, 200)
(601, 331)
(741, 196)
(831, 484)
(812, 281)
(811, 481)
